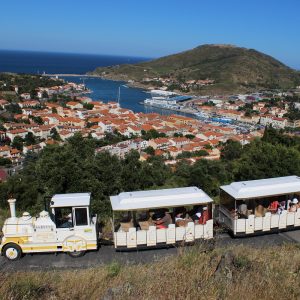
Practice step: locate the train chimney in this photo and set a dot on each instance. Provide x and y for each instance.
(12, 206)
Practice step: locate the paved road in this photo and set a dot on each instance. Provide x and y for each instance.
(107, 254)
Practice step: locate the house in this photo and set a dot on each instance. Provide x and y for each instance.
(5, 151)
(134, 130)
(179, 142)
(106, 126)
(29, 103)
(71, 121)
(33, 148)
(11, 134)
(140, 143)
(25, 96)
(174, 151)
(64, 134)
(15, 155)
(160, 143)
(210, 135)
(274, 121)
(74, 105)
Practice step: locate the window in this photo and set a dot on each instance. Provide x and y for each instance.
(81, 217)
(63, 217)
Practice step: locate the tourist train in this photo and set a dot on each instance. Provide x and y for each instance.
(155, 218)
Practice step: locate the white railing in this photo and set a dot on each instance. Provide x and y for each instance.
(171, 235)
(254, 224)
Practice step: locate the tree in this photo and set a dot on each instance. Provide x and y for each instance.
(14, 108)
(149, 150)
(33, 94)
(5, 161)
(17, 143)
(231, 150)
(74, 167)
(178, 134)
(190, 136)
(29, 139)
(54, 134)
(273, 136)
(151, 134)
(131, 171)
(88, 106)
(263, 160)
(37, 120)
(45, 95)
(208, 175)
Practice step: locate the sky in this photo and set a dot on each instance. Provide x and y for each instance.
(151, 28)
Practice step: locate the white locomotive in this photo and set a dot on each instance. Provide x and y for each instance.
(68, 227)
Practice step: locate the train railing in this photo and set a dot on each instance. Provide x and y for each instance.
(253, 224)
(166, 236)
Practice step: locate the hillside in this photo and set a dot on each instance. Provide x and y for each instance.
(232, 69)
(240, 272)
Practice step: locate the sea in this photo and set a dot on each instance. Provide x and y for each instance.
(65, 63)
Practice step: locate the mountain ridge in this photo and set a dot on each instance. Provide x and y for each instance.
(232, 68)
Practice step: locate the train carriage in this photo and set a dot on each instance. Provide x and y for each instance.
(142, 232)
(260, 206)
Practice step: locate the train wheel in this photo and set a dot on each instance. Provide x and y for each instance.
(76, 254)
(12, 252)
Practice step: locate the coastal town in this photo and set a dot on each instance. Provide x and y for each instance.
(54, 114)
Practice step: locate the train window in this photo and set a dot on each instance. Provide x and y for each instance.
(63, 217)
(81, 218)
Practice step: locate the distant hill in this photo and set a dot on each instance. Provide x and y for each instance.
(233, 69)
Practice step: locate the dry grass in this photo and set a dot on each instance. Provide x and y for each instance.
(246, 273)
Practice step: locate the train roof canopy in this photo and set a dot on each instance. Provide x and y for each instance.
(72, 199)
(159, 198)
(263, 187)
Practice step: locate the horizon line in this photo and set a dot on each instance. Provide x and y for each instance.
(73, 53)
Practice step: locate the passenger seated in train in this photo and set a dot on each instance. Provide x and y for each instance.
(260, 210)
(126, 222)
(205, 216)
(182, 218)
(144, 220)
(293, 205)
(273, 207)
(281, 207)
(200, 214)
(196, 213)
(243, 211)
(162, 218)
(296, 202)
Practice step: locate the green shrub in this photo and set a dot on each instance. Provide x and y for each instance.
(242, 262)
(28, 289)
(113, 269)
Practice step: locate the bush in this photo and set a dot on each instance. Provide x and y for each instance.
(113, 269)
(28, 289)
(242, 262)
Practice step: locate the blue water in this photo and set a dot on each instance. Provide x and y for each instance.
(107, 90)
(58, 63)
(65, 63)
